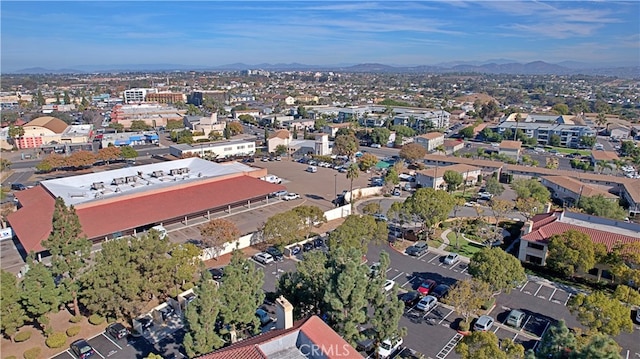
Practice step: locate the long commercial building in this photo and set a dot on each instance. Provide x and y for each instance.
(130, 200)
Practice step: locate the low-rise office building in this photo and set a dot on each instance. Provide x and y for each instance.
(434, 177)
(430, 140)
(569, 191)
(214, 150)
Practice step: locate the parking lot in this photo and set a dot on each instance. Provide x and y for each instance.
(109, 347)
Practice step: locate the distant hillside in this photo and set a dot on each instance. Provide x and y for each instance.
(499, 66)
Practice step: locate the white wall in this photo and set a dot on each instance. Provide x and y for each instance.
(339, 212)
(241, 243)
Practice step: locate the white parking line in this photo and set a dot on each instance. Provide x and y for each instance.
(394, 278)
(567, 301)
(445, 317)
(431, 260)
(496, 329)
(409, 281)
(422, 256)
(554, 292)
(524, 285)
(109, 339)
(536, 293)
(525, 322)
(465, 269)
(388, 269)
(97, 352)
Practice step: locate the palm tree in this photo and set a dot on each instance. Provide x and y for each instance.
(352, 173)
(618, 164)
(518, 118)
(602, 164)
(601, 120)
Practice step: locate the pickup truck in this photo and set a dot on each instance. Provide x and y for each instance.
(272, 179)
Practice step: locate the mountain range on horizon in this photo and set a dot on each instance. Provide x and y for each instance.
(495, 66)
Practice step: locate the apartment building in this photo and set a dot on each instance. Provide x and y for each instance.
(137, 95)
(166, 97)
(434, 177)
(430, 140)
(154, 115)
(542, 127)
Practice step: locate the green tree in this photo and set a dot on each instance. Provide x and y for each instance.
(241, 293)
(174, 125)
(39, 293)
(11, 311)
(280, 150)
(560, 109)
(600, 346)
(493, 186)
(40, 100)
(15, 132)
(467, 132)
(217, 233)
(352, 173)
(357, 232)
(453, 179)
(557, 342)
(572, 252)
(529, 207)
(305, 287)
(526, 188)
(387, 311)
(200, 318)
(499, 269)
(66, 98)
(345, 145)
(412, 152)
(380, 135)
(367, 161)
(489, 110)
(403, 131)
(486, 345)
(467, 297)
(391, 177)
(371, 208)
(128, 152)
(554, 140)
(346, 292)
(70, 250)
(588, 141)
(627, 295)
(138, 125)
(599, 312)
(5, 164)
(282, 229)
(600, 206)
(430, 206)
(192, 110)
(117, 126)
(310, 217)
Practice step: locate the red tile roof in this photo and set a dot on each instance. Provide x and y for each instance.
(317, 331)
(547, 225)
(32, 222)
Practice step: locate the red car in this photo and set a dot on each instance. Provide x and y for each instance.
(427, 286)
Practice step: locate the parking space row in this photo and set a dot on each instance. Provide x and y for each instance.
(545, 292)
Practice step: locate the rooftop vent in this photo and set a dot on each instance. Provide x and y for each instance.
(179, 171)
(119, 180)
(97, 185)
(131, 179)
(157, 174)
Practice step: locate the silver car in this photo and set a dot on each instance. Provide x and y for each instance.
(264, 258)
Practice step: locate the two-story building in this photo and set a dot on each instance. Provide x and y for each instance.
(569, 191)
(434, 177)
(510, 149)
(430, 140)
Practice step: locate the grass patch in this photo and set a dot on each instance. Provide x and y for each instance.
(466, 249)
(569, 151)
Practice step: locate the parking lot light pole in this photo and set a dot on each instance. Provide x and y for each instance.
(335, 189)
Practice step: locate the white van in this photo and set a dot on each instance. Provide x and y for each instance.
(312, 169)
(161, 230)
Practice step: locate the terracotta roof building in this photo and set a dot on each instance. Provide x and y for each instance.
(570, 190)
(430, 140)
(42, 131)
(310, 338)
(130, 200)
(603, 156)
(537, 232)
(433, 177)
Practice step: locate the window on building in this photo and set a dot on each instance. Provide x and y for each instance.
(534, 259)
(228, 149)
(535, 246)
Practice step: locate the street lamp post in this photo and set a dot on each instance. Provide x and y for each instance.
(335, 189)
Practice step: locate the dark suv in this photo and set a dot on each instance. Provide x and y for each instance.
(418, 249)
(18, 187)
(117, 331)
(275, 253)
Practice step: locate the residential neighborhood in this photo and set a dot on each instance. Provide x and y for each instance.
(310, 214)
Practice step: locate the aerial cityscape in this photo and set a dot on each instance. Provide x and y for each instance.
(320, 180)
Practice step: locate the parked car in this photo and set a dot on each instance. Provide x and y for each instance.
(264, 258)
(275, 253)
(440, 291)
(397, 192)
(515, 318)
(308, 247)
(388, 347)
(426, 286)
(374, 269)
(367, 343)
(638, 315)
(380, 217)
(427, 303)
(418, 249)
(280, 193)
(216, 273)
(484, 323)
(291, 196)
(81, 349)
(117, 331)
(318, 242)
(263, 316)
(451, 259)
(388, 285)
(18, 187)
(410, 298)
(375, 145)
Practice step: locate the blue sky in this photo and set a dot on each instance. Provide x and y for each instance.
(58, 35)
